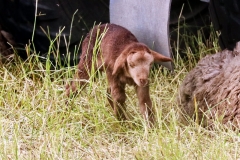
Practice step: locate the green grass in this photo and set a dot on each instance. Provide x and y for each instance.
(36, 123)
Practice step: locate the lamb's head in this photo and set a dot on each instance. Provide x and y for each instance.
(138, 66)
(136, 62)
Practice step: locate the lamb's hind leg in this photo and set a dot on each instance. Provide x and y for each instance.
(145, 104)
(80, 80)
(84, 67)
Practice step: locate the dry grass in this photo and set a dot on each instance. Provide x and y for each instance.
(35, 122)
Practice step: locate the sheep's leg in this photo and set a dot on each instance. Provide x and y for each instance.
(109, 97)
(84, 66)
(80, 79)
(145, 104)
(118, 100)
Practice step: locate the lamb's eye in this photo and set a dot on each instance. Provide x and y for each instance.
(131, 65)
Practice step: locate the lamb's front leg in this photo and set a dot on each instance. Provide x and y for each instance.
(118, 95)
(145, 104)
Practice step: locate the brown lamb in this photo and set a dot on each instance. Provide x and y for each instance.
(212, 89)
(125, 60)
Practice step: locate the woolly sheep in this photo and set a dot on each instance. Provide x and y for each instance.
(214, 85)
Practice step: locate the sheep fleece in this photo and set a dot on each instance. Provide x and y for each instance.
(214, 84)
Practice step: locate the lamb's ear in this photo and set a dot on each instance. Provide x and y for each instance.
(119, 63)
(159, 57)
